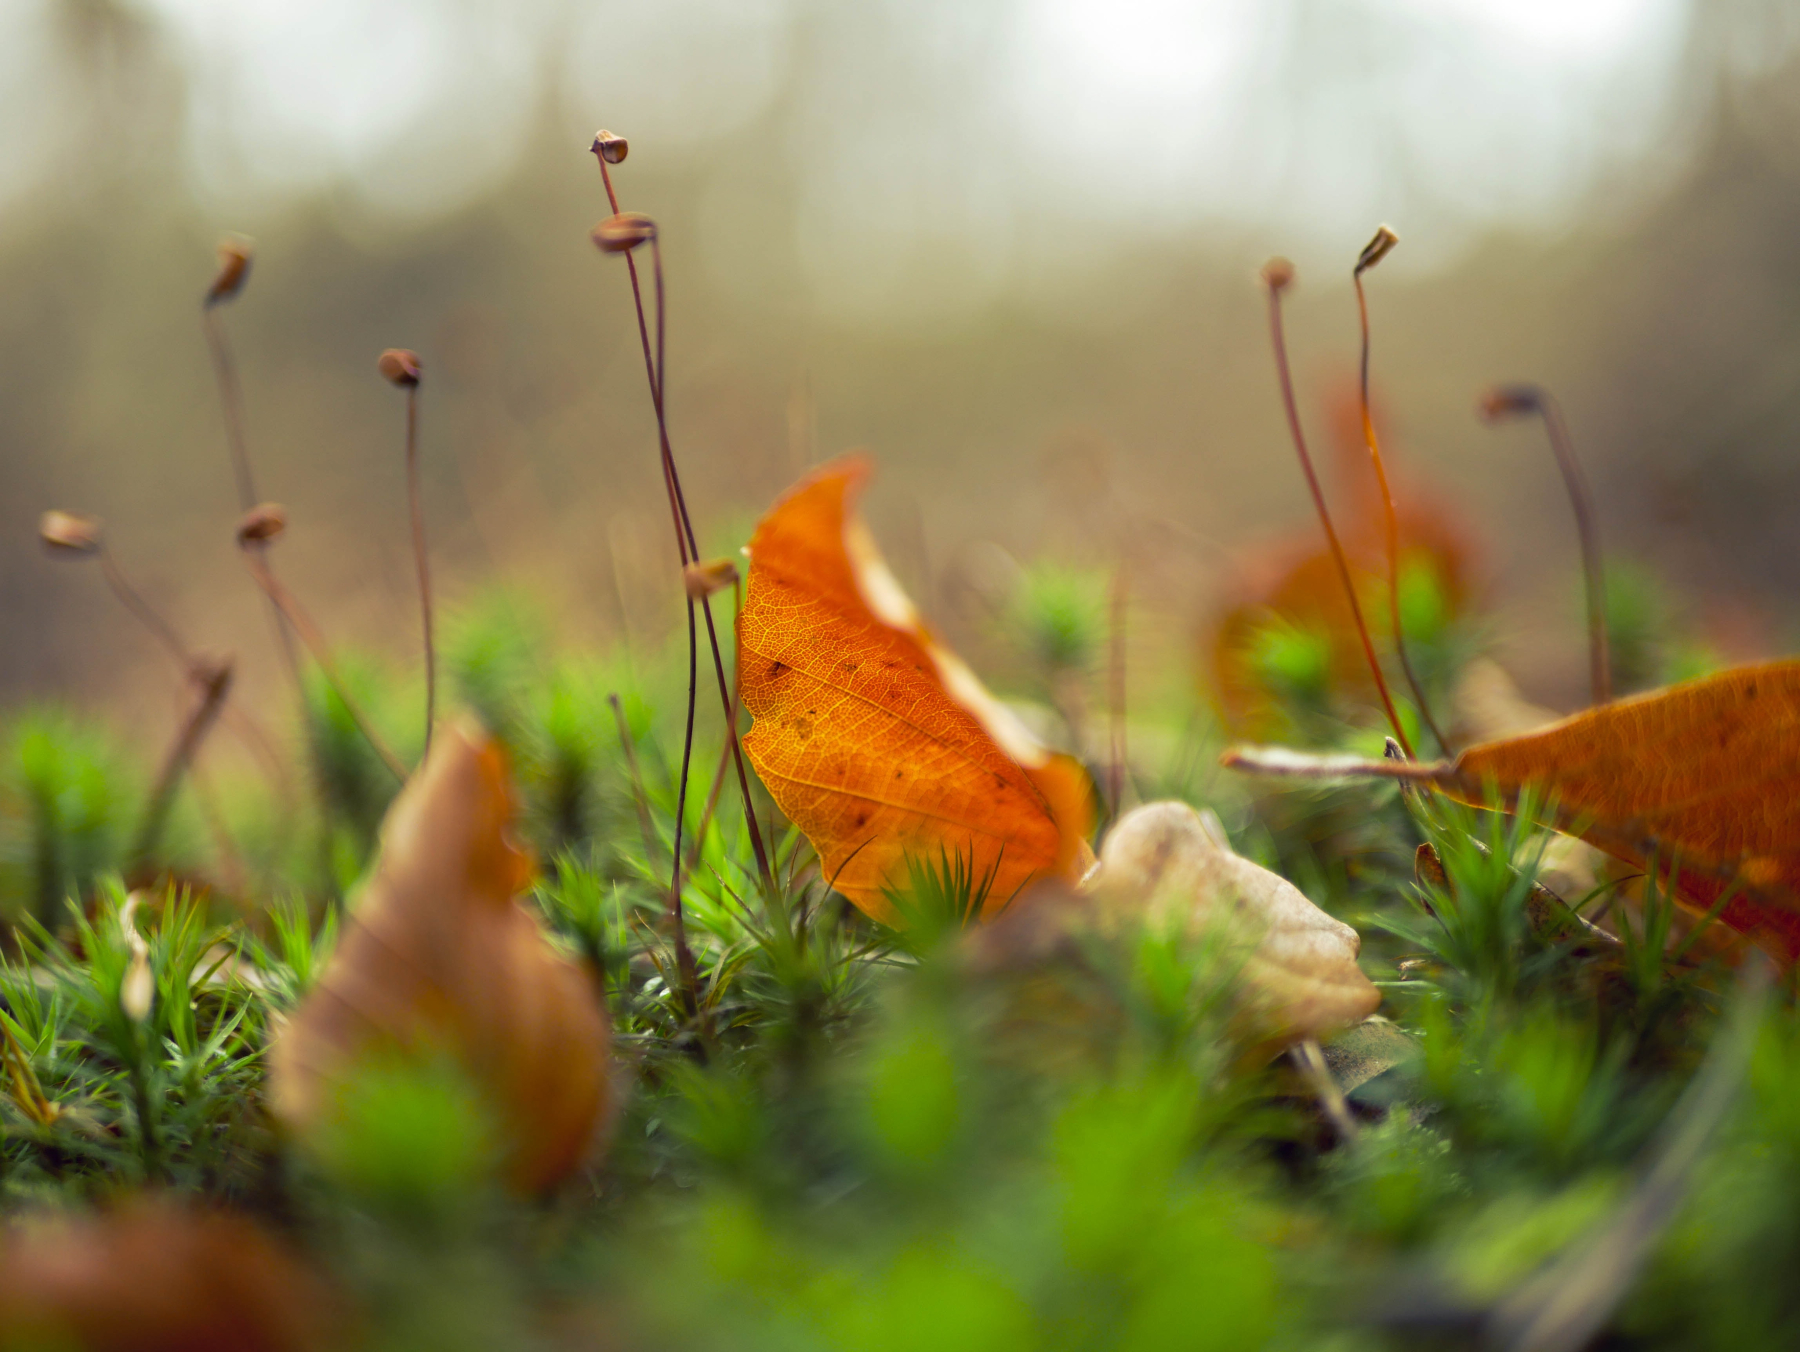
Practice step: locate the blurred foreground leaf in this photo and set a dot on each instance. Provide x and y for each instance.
(440, 960)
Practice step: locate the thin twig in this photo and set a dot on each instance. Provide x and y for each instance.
(211, 688)
(420, 557)
(1370, 256)
(194, 672)
(1277, 278)
(310, 635)
(1311, 1060)
(712, 803)
(1586, 525)
(1518, 399)
(684, 956)
(249, 731)
(684, 528)
(231, 401)
(637, 779)
(142, 611)
(1115, 767)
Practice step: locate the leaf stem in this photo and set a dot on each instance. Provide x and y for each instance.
(287, 606)
(1276, 280)
(421, 559)
(1391, 517)
(1116, 758)
(211, 685)
(231, 401)
(688, 549)
(1513, 399)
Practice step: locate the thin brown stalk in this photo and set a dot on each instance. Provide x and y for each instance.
(249, 732)
(210, 689)
(689, 551)
(712, 803)
(1519, 399)
(1277, 279)
(1374, 253)
(237, 876)
(231, 402)
(142, 611)
(1310, 1058)
(1115, 686)
(638, 795)
(1588, 528)
(684, 527)
(684, 956)
(292, 611)
(421, 559)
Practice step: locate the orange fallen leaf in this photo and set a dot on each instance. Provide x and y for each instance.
(873, 738)
(440, 958)
(155, 1276)
(1704, 775)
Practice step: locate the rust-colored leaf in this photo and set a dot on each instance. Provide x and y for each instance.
(440, 958)
(1706, 773)
(155, 1276)
(873, 738)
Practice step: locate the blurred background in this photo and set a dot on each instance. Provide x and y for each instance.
(1008, 245)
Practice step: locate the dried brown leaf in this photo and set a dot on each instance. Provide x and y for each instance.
(1166, 865)
(154, 1276)
(441, 958)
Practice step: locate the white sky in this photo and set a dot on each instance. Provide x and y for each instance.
(918, 118)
